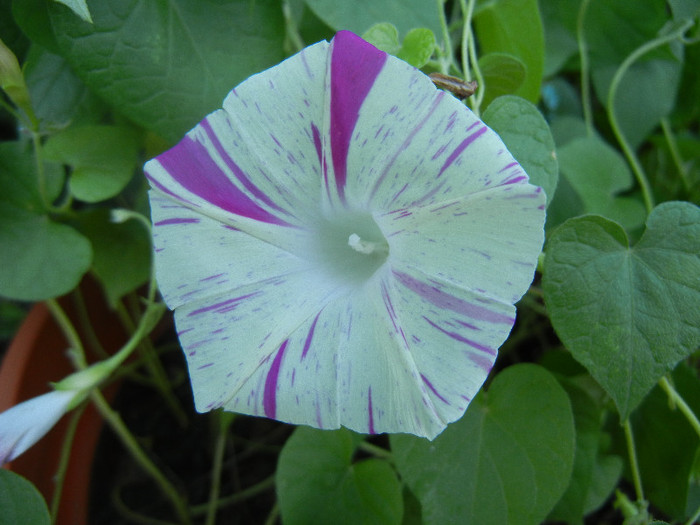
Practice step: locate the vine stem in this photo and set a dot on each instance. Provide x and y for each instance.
(224, 419)
(675, 153)
(445, 58)
(612, 117)
(585, 77)
(678, 401)
(129, 441)
(634, 464)
(469, 55)
(146, 323)
(60, 476)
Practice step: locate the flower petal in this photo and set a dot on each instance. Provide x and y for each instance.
(405, 142)
(342, 245)
(487, 242)
(197, 257)
(26, 423)
(228, 337)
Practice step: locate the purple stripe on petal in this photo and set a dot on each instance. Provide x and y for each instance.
(461, 339)
(235, 169)
(175, 221)
(459, 149)
(309, 337)
(317, 142)
(160, 187)
(355, 65)
(444, 300)
(270, 393)
(190, 164)
(432, 388)
(370, 425)
(481, 361)
(230, 303)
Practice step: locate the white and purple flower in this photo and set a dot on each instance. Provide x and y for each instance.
(343, 244)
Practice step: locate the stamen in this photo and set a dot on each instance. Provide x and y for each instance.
(366, 247)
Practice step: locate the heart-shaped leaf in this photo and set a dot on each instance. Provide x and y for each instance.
(103, 159)
(167, 64)
(509, 459)
(317, 482)
(40, 258)
(629, 315)
(598, 173)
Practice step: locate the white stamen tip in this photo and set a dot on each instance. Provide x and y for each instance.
(357, 244)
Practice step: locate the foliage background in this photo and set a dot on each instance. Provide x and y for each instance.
(599, 100)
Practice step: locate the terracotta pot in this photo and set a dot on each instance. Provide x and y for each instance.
(36, 357)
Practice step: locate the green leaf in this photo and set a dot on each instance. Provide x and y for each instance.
(418, 47)
(103, 159)
(507, 461)
(360, 15)
(59, 98)
(167, 64)
(514, 27)
(40, 258)
(20, 501)
(647, 92)
(596, 472)
(503, 75)
(317, 482)
(683, 9)
(383, 36)
(527, 136)
(598, 173)
(79, 7)
(33, 17)
(627, 314)
(122, 252)
(663, 438)
(559, 20)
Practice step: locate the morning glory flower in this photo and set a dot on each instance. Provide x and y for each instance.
(26, 423)
(343, 244)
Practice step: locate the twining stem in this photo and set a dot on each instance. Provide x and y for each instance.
(76, 353)
(467, 11)
(445, 58)
(634, 464)
(612, 117)
(250, 492)
(129, 441)
(274, 513)
(155, 368)
(60, 476)
(675, 153)
(292, 32)
(585, 76)
(678, 401)
(150, 317)
(469, 55)
(376, 451)
(224, 419)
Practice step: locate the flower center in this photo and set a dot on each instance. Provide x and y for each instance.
(351, 246)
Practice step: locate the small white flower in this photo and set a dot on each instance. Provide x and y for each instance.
(26, 423)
